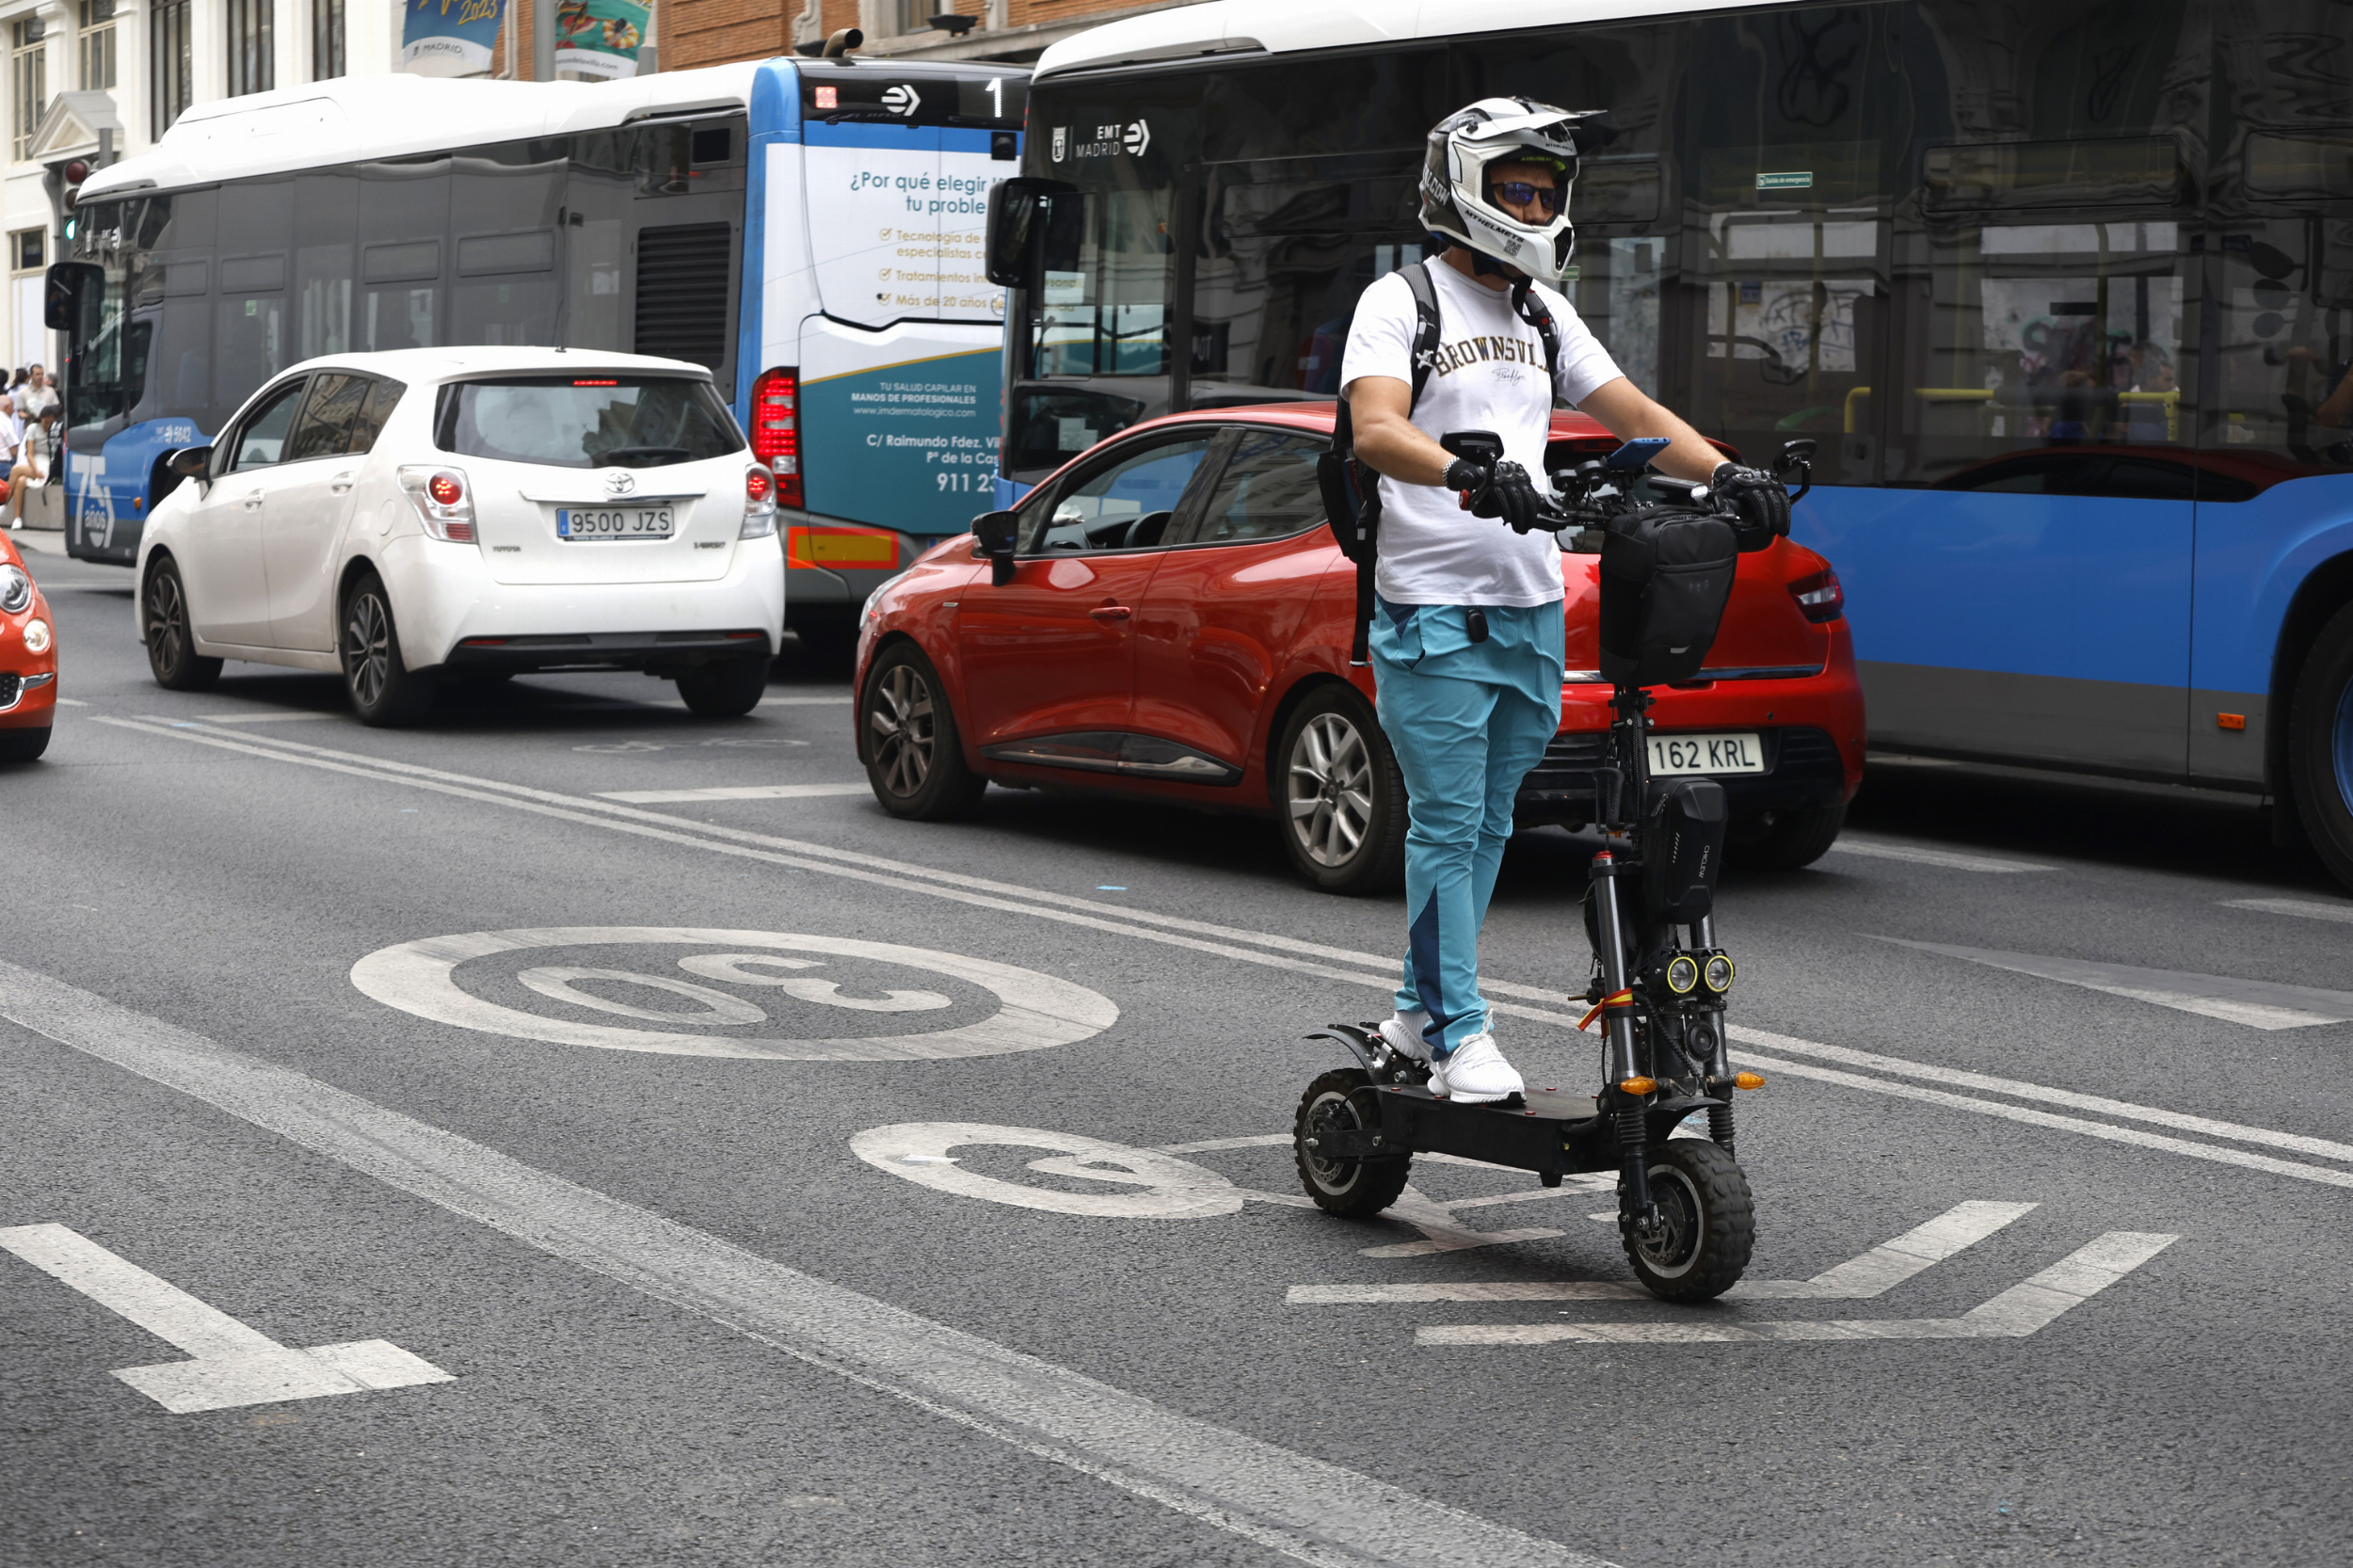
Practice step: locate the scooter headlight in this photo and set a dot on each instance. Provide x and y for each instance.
(1717, 973)
(1683, 974)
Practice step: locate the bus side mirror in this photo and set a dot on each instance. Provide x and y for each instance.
(1017, 220)
(70, 283)
(996, 534)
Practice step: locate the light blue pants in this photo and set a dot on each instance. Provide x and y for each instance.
(1466, 720)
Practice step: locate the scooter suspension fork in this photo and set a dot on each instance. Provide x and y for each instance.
(1719, 1051)
(1634, 1201)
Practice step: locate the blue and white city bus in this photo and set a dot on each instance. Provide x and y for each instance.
(809, 229)
(2064, 292)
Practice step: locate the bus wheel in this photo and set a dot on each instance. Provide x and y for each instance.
(171, 642)
(2320, 745)
(1784, 840)
(725, 689)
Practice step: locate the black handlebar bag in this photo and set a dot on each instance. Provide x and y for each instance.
(1665, 576)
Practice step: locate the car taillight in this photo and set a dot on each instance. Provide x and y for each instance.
(777, 431)
(439, 496)
(1819, 596)
(760, 503)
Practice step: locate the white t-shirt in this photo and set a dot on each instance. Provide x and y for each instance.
(1489, 375)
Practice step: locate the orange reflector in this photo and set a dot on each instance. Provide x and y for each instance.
(842, 547)
(1748, 1080)
(2231, 721)
(1637, 1085)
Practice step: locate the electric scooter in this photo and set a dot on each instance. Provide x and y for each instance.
(1660, 980)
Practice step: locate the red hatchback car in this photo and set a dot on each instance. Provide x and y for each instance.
(1175, 623)
(28, 660)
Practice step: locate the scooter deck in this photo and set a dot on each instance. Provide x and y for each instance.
(1555, 1133)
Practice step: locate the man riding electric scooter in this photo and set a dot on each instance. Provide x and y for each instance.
(1467, 628)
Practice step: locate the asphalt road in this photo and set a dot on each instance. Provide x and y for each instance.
(736, 1248)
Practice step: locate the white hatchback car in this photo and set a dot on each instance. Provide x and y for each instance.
(424, 514)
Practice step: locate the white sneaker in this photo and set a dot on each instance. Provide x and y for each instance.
(1474, 1072)
(1403, 1033)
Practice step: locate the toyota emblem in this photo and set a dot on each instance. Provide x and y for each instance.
(620, 483)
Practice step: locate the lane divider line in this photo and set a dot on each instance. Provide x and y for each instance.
(2306, 908)
(178, 729)
(2032, 1117)
(1948, 860)
(962, 889)
(2179, 1121)
(1307, 1509)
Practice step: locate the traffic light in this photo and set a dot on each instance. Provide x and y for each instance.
(75, 171)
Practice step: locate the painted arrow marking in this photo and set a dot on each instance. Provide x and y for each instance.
(234, 1365)
(2017, 1312)
(1874, 1273)
(2257, 1003)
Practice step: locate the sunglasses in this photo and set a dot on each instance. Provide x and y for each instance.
(1520, 193)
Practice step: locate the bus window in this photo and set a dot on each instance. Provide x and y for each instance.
(403, 215)
(327, 206)
(503, 216)
(2282, 272)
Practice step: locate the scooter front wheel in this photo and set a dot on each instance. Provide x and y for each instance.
(1341, 1101)
(1706, 1222)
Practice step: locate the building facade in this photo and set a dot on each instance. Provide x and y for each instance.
(90, 81)
(712, 32)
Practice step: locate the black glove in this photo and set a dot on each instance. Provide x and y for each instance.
(1759, 504)
(1503, 492)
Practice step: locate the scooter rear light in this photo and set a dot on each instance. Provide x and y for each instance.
(443, 503)
(1819, 596)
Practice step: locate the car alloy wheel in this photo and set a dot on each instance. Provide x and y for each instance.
(905, 731)
(1330, 789)
(166, 619)
(368, 647)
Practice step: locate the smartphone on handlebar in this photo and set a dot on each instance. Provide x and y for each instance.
(1637, 453)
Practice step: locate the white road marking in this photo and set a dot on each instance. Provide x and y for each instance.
(1918, 855)
(1177, 932)
(1314, 1512)
(2017, 1312)
(1162, 1187)
(2257, 1003)
(1039, 1010)
(266, 718)
(2044, 1094)
(738, 791)
(234, 1365)
(2304, 907)
(804, 701)
(1874, 1273)
(2243, 1157)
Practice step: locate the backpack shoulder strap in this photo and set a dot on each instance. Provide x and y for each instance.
(1427, 324)
(1531, 310)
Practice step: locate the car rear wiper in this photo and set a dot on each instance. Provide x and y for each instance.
(646, 456)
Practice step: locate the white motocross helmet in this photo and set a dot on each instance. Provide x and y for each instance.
(1467, 143)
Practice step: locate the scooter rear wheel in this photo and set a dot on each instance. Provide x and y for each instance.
(1707, 1222)
(1341, 1101)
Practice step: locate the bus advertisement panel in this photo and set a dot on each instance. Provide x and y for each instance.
(2063, 294)
(862, 356)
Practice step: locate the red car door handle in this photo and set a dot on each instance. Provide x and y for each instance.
(1110, 611)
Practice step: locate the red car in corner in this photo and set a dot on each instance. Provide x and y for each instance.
(28, 660)
(1177, 628)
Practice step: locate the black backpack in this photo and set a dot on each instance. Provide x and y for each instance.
(1352, 491)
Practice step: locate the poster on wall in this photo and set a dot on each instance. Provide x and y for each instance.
(599, 37)
(449, 38)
